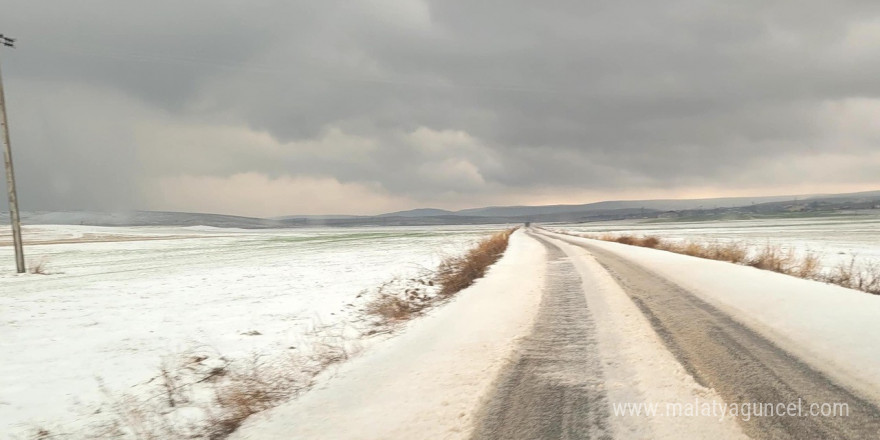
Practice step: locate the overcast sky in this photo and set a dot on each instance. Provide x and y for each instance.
(268, 108)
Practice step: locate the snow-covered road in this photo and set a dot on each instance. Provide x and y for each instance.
(567, 337)
(741, 364)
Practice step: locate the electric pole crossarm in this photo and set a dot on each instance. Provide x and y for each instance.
(10, 173)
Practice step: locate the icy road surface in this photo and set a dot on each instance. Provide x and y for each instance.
(739, 363)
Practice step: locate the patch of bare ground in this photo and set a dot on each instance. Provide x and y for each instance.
(864, 277)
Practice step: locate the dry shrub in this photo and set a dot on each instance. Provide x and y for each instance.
(39, 268)
(843, 274)
(245, 394)
(772, 257)
(691, 248)
(209, 397)
(809, 267)
(239, 403)
(626, 239)
(402, 299)
(392, 308)
(457, 273)
(633, 240)
(263, 384)
(869, 279)
(848, 275)
(605, 237)
(733, 252)
(650, 242)
(134, 417)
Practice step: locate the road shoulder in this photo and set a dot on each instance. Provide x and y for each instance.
(637, 366)
(429, 381)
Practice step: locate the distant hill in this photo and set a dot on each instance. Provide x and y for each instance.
(621, 206)
(421, 212)
(690, 209)
(656, 205)
(315, 217)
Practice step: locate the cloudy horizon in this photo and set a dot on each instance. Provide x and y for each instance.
(363, 107)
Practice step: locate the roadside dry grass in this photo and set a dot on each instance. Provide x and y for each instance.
(203, 395)
(261, 385)
(866, 279)
(398, 299)
(457, 273)
(401, 300)
(769, 257)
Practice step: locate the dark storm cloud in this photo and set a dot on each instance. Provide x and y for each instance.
(442, 102)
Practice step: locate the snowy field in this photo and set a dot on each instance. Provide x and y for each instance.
(117, 301)
(836, 240)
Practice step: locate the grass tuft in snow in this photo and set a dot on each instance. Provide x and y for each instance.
(401, 299)
(848, 275)
(202, 395)
(39, 268)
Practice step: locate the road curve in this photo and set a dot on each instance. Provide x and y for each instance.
(553, 390)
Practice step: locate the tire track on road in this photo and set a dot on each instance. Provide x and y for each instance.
(740, 364)
(554, 389)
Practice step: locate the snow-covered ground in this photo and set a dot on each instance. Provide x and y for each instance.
(429, 382)
(119, 300)
(836, 240)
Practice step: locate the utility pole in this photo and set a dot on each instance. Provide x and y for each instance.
(10, 173)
